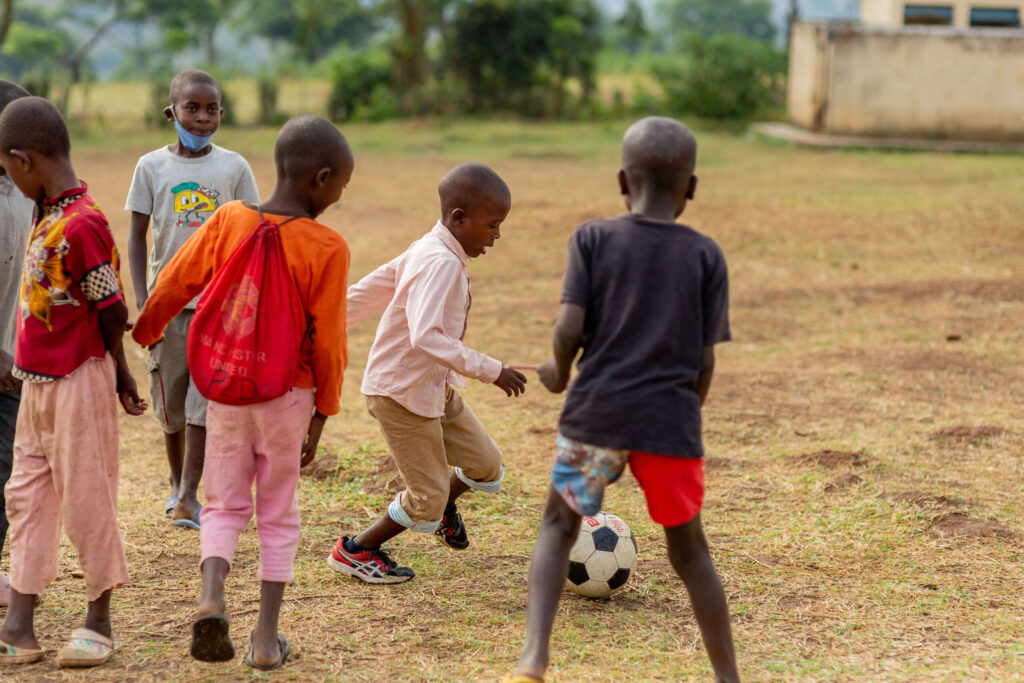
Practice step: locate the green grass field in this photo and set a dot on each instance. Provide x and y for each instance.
(863, 431)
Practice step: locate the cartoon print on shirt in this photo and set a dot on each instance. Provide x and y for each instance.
(44, 280)
(194, 203)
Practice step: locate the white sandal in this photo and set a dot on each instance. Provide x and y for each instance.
(86, 648)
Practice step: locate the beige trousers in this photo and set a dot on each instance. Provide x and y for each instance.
(65, 468)
(425, 447)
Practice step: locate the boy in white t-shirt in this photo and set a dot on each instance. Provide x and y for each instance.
(176, 188)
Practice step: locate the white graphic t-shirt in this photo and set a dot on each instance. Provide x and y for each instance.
(15, 225)
(179, 194)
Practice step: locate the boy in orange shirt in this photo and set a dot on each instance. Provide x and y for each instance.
(267, 441)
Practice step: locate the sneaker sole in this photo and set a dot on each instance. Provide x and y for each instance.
(349, 570)
(446, 544)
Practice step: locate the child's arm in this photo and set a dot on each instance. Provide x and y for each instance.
(372, 293)
(138, 259)
(555, 373)
(184, 276)
(113, 322)
(707, 368)
(9, 384)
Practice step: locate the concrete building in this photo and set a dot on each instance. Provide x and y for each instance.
(944, 70)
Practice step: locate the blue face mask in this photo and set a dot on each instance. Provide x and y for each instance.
(193, 142)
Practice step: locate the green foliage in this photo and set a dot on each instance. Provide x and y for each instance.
(312, 27)
(631, 28)
(706, 18)
(728, 77)
(520, 55)
(361, 86)
(158, 99)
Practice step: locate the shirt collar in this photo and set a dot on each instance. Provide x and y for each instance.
(448, 239)
(65, 198)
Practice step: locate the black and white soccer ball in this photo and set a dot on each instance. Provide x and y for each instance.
(603, 558)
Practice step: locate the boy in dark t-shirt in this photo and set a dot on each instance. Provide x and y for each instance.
(646, 299)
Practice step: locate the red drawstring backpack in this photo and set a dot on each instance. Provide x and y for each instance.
(243, 343)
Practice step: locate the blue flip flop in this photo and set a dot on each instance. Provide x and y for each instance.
(169, 505)
(189, 523)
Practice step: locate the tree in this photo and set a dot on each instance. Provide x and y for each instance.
(632, 27)
(751, 18)
(312, 27)
(6, 16)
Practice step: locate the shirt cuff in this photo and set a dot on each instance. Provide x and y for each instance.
(492, 369)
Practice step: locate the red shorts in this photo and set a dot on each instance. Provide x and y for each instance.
(674, 486)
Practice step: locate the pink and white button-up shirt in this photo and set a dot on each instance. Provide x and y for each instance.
(418, 348)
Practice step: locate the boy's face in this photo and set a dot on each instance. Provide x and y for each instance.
(477, 228)
(19, 167)
(197, 108)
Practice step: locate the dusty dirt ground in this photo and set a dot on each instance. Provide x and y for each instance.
(863, 432)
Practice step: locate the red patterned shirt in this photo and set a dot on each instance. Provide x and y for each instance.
(71, 272)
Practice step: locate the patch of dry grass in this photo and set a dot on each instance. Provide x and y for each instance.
(864, 473)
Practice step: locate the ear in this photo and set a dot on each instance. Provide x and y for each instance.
(21, 157)
(623, 183)
(322, 176)
(169, 112)
(458, 216)
(691, 191)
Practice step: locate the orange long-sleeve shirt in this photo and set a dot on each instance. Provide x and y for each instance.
(318, 259)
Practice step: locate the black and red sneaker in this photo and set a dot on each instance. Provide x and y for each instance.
(372, 565)
(452, 531)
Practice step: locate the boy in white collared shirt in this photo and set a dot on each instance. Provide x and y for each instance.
(416, 359)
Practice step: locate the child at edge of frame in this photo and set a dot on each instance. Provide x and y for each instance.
(70, 360)
(267, 441)
(417, 359)
(646, 299)
(174, 190)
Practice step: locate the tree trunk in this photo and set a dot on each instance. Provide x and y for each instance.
(410, 52)
(6, 15)
(209, 45)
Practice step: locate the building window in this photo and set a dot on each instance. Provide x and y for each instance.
(931, 15)
(1008, 17)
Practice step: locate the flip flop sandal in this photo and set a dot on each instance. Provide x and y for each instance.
(169, 505)
(282, 645)
(19, 655)
(189, 523)
(522, 678)
(210, 639)
(86, 648)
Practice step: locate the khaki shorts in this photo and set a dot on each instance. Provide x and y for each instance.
(176, 401)
(425, 447)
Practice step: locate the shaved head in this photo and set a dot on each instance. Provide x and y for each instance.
(32, 124)
(468, 183)
(185, 79)
(10, 92)
(309, 143)
(659, 153)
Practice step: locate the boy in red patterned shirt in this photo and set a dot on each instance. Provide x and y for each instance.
(69, 356)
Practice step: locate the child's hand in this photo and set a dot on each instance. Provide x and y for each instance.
(316, 426)
(550, 377)
(128, 393)
(9, 384)
(511, 381)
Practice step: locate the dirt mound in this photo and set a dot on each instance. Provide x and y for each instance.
(384, 478)
(717, 463)
(831, 460)
(962, 524)
(843, 481)
(968, 433)
(924, 499)
(322, 467)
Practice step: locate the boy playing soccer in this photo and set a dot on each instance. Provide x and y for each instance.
(177, 188)
(270, 440)
(416, 358)
(71, 362)
(15, 225)
(646, 299)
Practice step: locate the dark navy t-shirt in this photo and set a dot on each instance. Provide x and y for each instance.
(655, 295)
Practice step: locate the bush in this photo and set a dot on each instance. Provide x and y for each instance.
(728, 77)
(158, 99)
(359, 84)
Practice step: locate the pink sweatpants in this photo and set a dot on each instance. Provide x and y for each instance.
(65, 466)
(261, 442)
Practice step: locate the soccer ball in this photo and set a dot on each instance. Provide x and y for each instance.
(603, 558)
